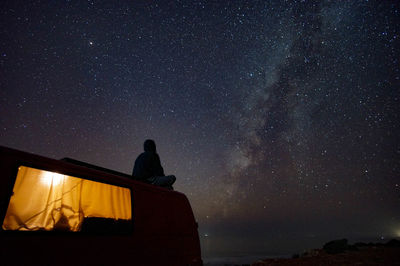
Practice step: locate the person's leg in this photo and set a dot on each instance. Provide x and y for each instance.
(164, 181)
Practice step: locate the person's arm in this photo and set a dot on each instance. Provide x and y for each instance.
(141, 168)
(158, 170)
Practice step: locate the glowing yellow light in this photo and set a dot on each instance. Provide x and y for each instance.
(52, 179)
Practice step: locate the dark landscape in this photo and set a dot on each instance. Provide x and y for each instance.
(338, 252)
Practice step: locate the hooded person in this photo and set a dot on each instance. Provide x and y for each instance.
(148, 167)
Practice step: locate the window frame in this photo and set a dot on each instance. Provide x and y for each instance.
(65, 170)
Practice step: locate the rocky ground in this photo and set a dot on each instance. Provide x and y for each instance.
(343, 254)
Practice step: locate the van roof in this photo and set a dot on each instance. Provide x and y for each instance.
(92, 166)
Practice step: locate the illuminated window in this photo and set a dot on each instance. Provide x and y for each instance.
(50, 201)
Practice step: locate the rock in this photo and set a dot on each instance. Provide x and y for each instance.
(336, 246)
(393, 243)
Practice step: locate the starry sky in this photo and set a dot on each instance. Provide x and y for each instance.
(280, 119)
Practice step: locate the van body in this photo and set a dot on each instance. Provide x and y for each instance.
(143, 225)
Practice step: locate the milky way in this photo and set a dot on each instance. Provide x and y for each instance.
(280, 120)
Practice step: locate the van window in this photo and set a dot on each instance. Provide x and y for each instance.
(50, 201)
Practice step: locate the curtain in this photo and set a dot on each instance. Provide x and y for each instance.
(44, 200)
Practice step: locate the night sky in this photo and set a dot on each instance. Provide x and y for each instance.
(280, 119)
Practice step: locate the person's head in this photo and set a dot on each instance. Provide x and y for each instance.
(149, 145)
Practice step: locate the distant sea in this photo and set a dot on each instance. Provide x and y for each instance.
(237, 260)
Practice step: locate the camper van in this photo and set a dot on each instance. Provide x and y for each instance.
(65, 212)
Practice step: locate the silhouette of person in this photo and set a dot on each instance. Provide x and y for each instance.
(148, 167)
